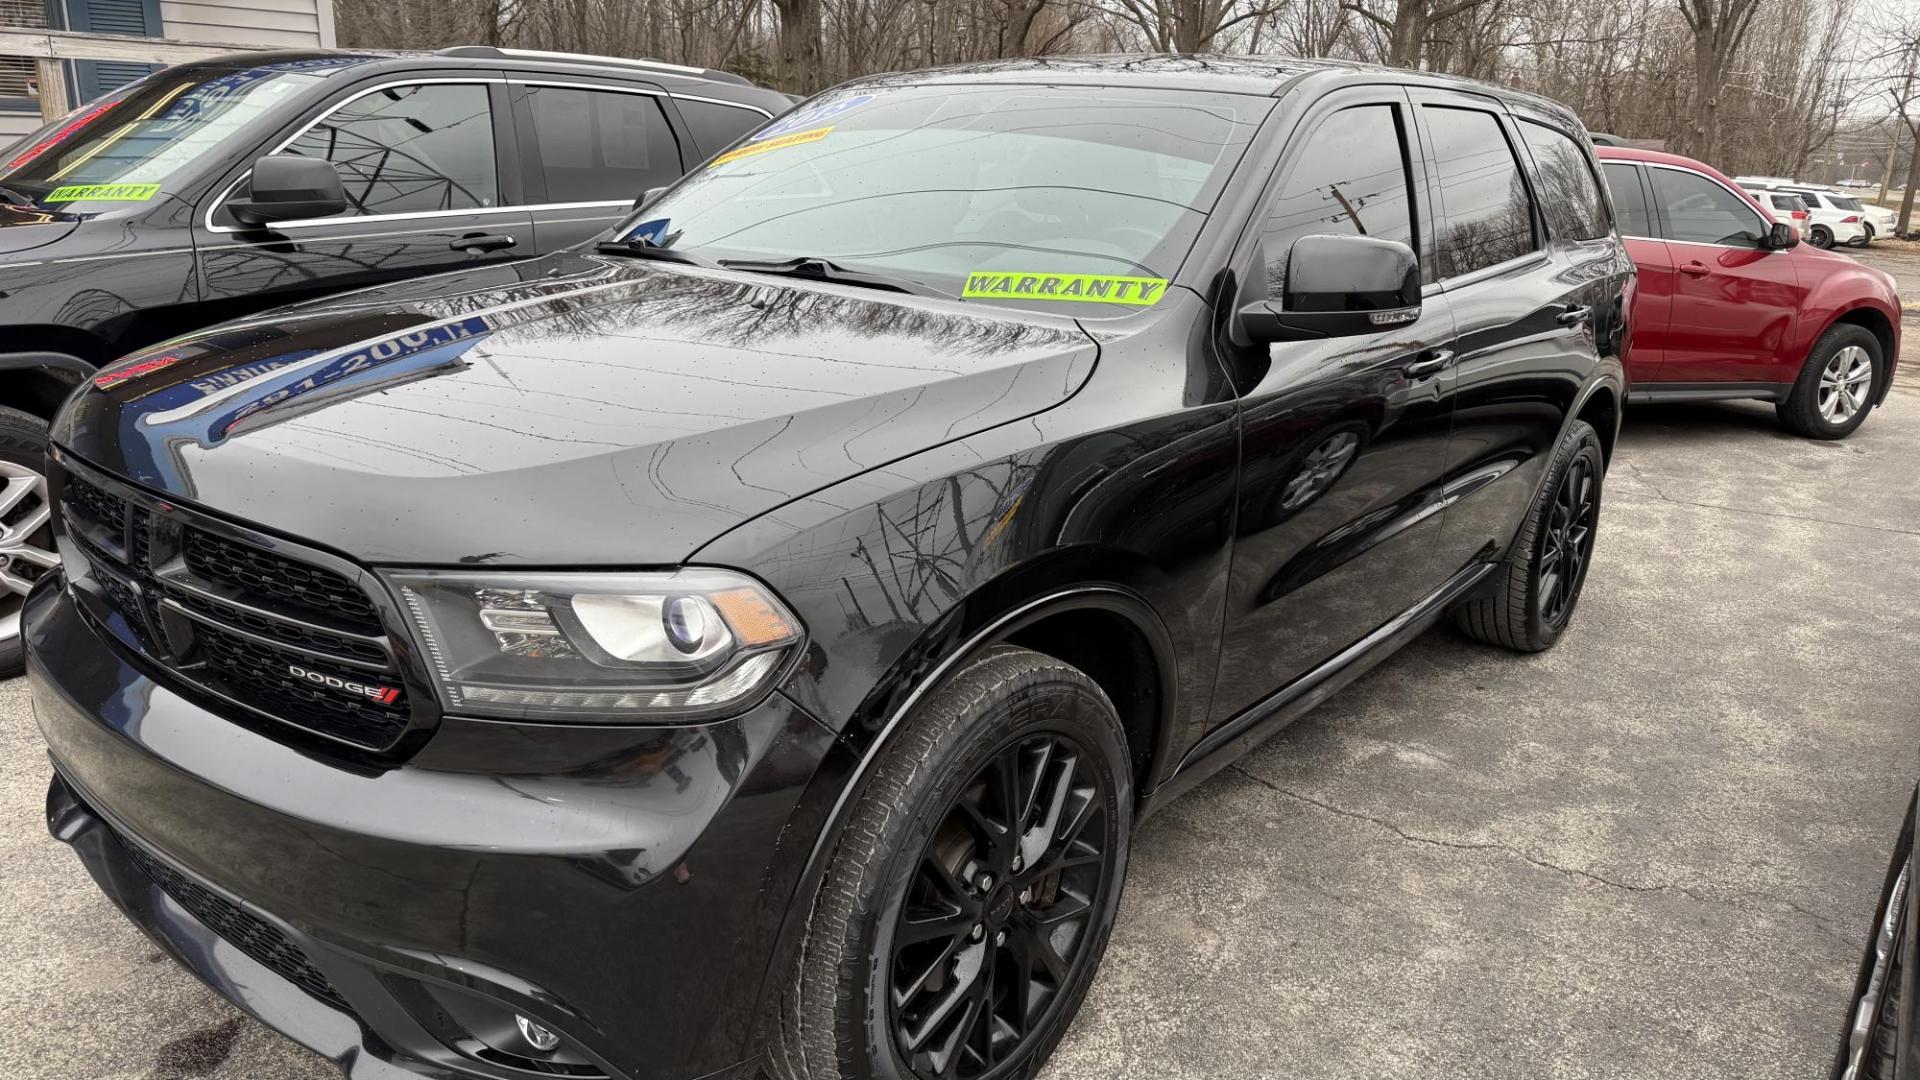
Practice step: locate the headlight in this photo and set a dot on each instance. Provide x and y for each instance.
(622, 647)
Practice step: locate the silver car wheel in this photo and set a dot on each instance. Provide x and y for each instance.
(26, 545)
(1844, 384)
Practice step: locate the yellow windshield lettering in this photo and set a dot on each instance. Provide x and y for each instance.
(1084, 288)
(103, 192)
(761, 147)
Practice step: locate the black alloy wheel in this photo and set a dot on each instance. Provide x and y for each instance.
(974, 885)
(1528, 601)
(1566, 543)
(999, 909)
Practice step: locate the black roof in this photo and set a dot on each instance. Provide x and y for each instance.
(1265, 75)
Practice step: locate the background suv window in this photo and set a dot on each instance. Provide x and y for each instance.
(1629, 201)
(1486, 215)
(1699, 211)
(601, 146)
(1350, 177)
(715, 126)
(1569, 195)
(408, 149)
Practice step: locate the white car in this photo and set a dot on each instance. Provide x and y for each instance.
(1881, 220)
(1833, 218)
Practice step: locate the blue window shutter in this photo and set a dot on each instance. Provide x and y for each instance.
(136, 18)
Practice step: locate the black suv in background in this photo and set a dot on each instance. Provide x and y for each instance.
(220, 189)
(751, 642)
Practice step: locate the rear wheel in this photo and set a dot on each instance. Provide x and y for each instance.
(972, 891)
(26, 526)
(1837, 384)
(1821, 237)
(1534, 592)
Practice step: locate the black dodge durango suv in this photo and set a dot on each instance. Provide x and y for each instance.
(220, 189)
(749, 642)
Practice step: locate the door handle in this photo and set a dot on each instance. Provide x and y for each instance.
(1696, 268)
(477, 242)
(1428, 363)
(1573, 316)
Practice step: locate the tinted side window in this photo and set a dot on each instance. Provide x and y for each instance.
(406, 149)
(1486, 215)
(714, 126)
(1629, 202)
(601, 146)
(1699, 211)
(1569, 195)
(1349, 177)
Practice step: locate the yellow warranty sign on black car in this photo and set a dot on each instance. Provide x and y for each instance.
(1091, 288)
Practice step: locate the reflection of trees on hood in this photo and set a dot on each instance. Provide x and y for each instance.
(744, 313)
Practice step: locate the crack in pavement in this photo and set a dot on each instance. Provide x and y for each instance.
(1565, 871)
(1664, 497)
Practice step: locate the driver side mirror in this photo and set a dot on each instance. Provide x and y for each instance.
(1781, 237)
(290, 188)
(1338, 286)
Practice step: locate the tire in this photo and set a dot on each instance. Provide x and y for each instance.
(837, 1015)
(1867, 229)
(1810, 410)
(1524, 608)
(1821, 237)
(26, 540)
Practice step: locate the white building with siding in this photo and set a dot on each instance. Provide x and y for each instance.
(270, 24)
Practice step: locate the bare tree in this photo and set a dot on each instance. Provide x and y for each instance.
(1719, 27)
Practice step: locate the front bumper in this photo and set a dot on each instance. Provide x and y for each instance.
(623, 886)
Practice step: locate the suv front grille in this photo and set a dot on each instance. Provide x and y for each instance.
(242, 666)
(263, 574)
(263, 626)
(251, 935)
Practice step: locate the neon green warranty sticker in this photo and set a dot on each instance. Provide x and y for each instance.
(1090, 288)
(103, 192)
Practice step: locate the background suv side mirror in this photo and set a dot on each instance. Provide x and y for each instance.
(1339, 286)
(1781, 237)
(290, 188)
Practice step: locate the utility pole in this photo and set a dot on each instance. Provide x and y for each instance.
(1893, 145)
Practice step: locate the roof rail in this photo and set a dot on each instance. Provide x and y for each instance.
(494, 52)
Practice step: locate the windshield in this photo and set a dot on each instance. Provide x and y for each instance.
(1046, 197)
(126, 147)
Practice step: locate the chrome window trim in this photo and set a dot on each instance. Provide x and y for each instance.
(728, 104)
(1499, 269)
(315, 122)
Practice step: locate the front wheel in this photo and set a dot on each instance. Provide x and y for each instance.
(1837, 385)
(1533, 593)
(26, 526)
(972, 891)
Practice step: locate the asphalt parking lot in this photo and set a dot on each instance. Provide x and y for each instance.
(1649, 853)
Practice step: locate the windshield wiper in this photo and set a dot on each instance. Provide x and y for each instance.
(639, 247)
(818, 269)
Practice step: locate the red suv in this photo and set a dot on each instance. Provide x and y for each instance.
(1730, 304)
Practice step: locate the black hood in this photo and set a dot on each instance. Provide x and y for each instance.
(567, 411)
(23, 228)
